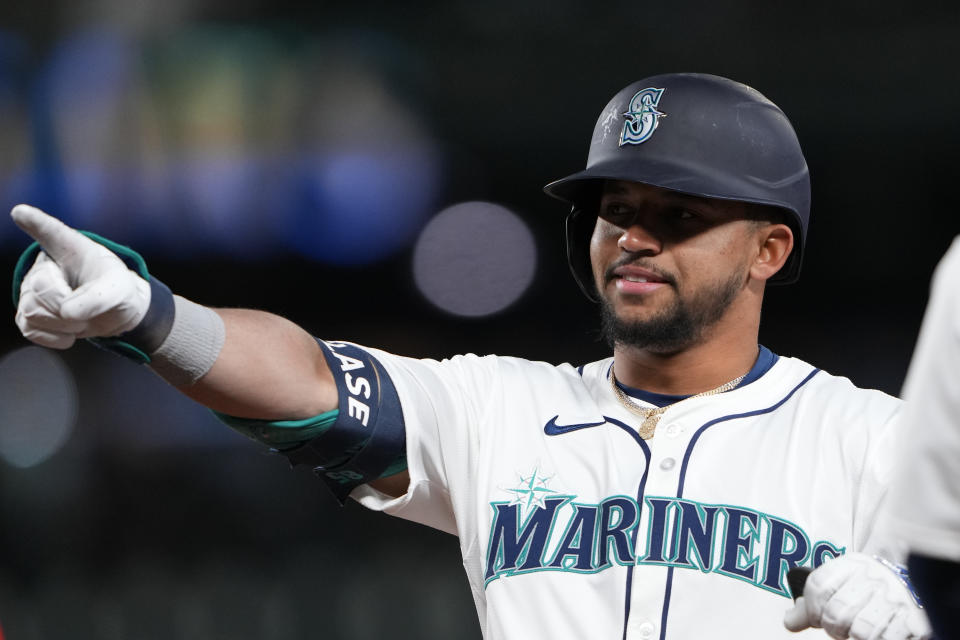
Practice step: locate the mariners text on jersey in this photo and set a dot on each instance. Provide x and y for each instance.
(564, 535)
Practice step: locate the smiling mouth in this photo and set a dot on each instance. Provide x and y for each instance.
(637, 286)
(636, 274)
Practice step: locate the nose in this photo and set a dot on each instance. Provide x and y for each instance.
(638, 238)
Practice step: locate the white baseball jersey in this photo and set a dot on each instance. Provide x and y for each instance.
(571, 526)
(925, 500)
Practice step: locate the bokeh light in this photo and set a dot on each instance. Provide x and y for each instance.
(38, 405)
(369, 172)
(359, 206)
(474, 259)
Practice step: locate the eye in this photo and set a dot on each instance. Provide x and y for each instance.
(682, 214)
(616, 213)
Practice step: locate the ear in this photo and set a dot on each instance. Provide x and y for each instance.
(774, 244)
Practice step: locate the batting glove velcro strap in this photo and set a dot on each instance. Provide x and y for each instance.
(861, 597)
(73, 284)
(156, 324)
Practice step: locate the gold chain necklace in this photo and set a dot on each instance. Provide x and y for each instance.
(652, 416)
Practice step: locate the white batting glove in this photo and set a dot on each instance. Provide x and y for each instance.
(857, 596)
(77, 288)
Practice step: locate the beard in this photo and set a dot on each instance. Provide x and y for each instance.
(676, 327)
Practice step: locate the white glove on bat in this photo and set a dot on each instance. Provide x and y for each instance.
(857, 596)
(77, 288)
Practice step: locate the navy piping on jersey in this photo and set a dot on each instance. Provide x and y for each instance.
(683, 474)
(765, 360)
(633, 538)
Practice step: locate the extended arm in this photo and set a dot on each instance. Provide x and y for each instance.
(239, 362)
(269, 368)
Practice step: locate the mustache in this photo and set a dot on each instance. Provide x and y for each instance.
(666, 276)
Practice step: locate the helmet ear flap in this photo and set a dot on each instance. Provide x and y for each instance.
(579, 228)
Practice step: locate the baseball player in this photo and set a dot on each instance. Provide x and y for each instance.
(663, 492)
(924, 505)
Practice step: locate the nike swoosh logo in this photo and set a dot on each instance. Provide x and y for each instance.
(554, 429)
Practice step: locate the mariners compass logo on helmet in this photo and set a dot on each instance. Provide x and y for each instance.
(643, 116)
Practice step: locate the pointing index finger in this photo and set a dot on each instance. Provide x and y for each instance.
(59, 241)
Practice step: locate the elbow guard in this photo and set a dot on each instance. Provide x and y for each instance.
(363, 440)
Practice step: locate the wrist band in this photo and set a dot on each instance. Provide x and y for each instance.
(197, 334)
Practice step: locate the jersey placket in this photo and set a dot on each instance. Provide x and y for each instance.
(647, 581)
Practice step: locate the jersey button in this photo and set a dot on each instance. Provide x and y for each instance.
(645, 630)
(667, 463)
(672, 430)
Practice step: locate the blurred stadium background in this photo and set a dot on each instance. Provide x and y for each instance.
(373, 171)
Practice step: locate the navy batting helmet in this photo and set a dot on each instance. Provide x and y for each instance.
(696, 134)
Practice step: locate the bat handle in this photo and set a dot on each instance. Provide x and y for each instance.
(796, 579)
